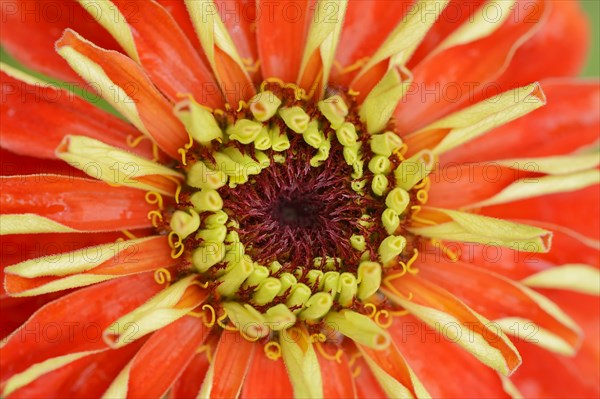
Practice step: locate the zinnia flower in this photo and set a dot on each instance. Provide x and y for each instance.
(309, 199)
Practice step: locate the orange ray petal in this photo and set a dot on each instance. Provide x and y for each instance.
(441, 83)
(189, 382)
(154, 111)
(230, 364)
(73, 202)
(366, 26)
(130, 257)
(167, 56)
(443, 311)
(30, 28)
(168, 351)
(503, 298)
(80, 379)
(266, 379)
(36, 117)
(445, 369)
(281, 38)
(570, 120)
(335, 370)
(74, 323)
(569, 52)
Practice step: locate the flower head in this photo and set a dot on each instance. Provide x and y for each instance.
(303, 198)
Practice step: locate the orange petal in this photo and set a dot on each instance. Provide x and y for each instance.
(335, 370)
(443, 311)
(154, 112)
(391, 362)
(445, 369)
(448, 80)
(533, 61)
(454, 15)
(166, 54)
(366, 26)
(179, 12)
(501, 298)
(570, 120)
(74, 323)
(474, 182)
(73, 202)
(30, 28)
(281, 38)
(189, 382)
(266, 379)
(164, 357)
(578, 210)
(239, 16)
(80, 379)
(230, 364)
(13, 165)
(131, 258)
(36, 117)
(366, 384)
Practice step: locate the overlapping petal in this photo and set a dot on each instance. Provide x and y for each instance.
(450, 79)
(123, 83)
(174, 345)
(69, 325)
(30, 28)
(58, 203)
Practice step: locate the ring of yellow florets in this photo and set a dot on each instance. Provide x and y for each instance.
(234, 156)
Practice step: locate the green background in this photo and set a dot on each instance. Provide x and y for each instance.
(593, 65)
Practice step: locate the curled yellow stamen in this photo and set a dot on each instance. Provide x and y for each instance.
(320, 337)
(353, 359)
(177, 193)
(423, 184)
(373, 309)
(162, 276)
(213, 315)
(356, 372)
(250, 65)
(400, 313)
(176, 253)
(242, 105)
(154, 198)
(388, 317)
(415, 216)
(134, 142)
(336, 358)
(174, 240)
(272, 350)
(155, 216)
(155, 153)
(352, 67)
(248, 337)
(183, 153)
(400, 151)
(422, 196)
(299, 92)
(176, 245)
(407, 267)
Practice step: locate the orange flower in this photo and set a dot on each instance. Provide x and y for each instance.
(310, 199)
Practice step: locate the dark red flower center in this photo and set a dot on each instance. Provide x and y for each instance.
(293, 212)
